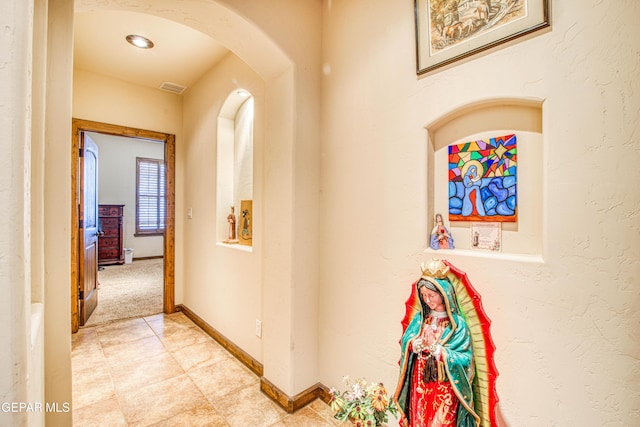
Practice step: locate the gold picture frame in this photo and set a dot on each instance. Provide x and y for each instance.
(245, 223)
(451, 30)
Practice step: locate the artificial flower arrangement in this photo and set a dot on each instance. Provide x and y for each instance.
(364, 405)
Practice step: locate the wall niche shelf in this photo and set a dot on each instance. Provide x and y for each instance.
(444, 253)
(235, 246)
(482, 120)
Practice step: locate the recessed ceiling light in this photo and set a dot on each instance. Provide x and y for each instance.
(139, 41)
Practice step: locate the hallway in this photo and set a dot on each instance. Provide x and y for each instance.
(163, 370)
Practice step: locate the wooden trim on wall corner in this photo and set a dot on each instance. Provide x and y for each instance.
(237, 352)
(324, 394)
(169, 241)
(75, 233)
(299, 401)
(288, 403)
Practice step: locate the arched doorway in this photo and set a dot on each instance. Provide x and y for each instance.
(269, 61)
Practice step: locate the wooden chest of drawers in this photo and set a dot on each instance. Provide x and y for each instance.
(110, 245)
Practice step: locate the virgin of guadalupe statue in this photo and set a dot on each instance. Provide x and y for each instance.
(438, 383)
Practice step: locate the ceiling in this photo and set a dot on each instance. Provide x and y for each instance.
(181, 55)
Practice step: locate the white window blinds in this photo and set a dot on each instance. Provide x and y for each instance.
(150, 196)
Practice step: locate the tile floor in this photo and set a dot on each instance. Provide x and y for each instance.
(163, 370)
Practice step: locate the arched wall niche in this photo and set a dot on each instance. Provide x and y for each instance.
(522, 240)
(234, 170)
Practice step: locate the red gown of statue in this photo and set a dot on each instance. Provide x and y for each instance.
(433, 403)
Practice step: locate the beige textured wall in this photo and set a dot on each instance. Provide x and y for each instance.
(292, 189)
(15, 168)
(57, 208)
(564, 328)
(223, 283)
(35, 235)
(104, 99)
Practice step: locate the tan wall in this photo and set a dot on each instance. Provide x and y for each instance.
(224, 282)
(103, 99)
(291, 187)
(57, 211)
(563, 327)
(15, 206)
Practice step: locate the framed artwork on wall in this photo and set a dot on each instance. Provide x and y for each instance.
(451, 30)
(483, 180)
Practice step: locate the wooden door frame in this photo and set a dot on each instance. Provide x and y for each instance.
(80, 125)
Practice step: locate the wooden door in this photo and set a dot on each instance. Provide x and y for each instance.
(77, 235)
(88, 229)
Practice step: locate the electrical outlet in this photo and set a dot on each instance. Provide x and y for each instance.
(258, 328)
(190, 213)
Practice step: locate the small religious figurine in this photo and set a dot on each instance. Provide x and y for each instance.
(437, 366)
(440, 236)
(231, 219)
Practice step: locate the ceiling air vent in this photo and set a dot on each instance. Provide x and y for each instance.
(173, 87)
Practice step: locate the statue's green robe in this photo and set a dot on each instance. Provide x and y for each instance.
(457, 358)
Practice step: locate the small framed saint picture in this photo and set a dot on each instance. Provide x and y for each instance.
(486, 236)
(245, 226)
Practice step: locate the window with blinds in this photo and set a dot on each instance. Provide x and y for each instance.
(150, 196)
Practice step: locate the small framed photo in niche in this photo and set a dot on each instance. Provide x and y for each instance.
(245, 223)
(486, 236)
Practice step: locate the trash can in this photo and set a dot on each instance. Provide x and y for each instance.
(128, 255)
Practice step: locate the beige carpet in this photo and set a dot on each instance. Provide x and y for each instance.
(128, 290)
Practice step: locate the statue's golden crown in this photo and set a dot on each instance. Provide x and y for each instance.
(435, 268)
